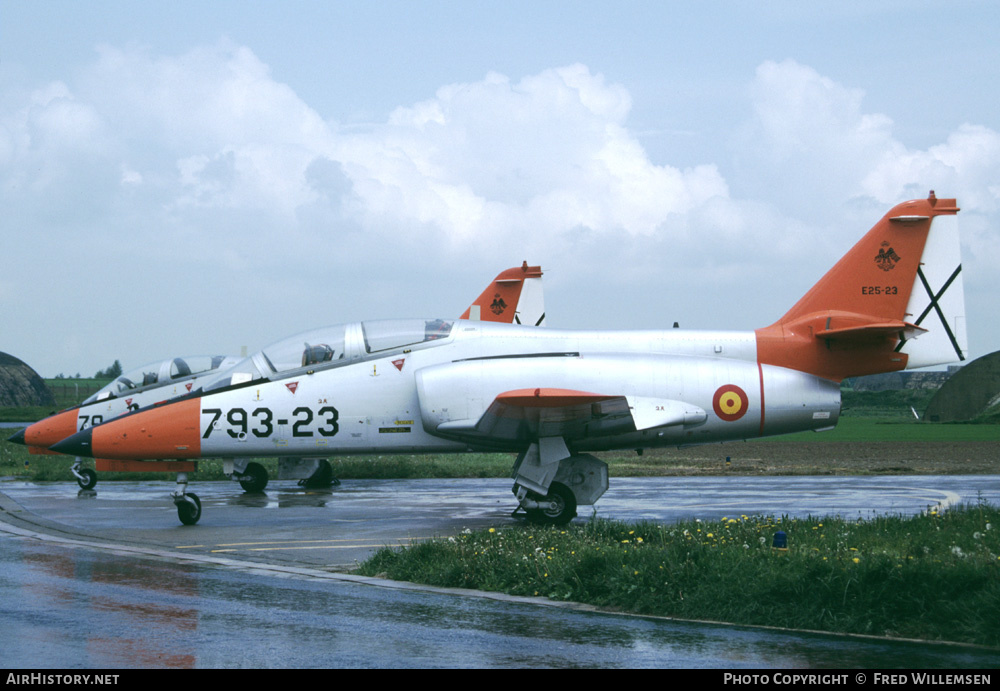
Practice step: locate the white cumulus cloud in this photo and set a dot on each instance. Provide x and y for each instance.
(547, 154)
(203, 167)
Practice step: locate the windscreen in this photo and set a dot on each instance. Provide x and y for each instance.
(398, 333)
(316, 348)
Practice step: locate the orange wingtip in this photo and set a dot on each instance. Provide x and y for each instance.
(549, 398)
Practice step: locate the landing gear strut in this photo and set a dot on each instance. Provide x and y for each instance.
(85, 477)
(254, 478)
(188, 504)
(550, 483)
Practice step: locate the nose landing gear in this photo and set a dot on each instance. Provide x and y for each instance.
(85, 477)
(188, 504)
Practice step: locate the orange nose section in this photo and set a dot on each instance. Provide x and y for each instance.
(169, 431)
(52, 429)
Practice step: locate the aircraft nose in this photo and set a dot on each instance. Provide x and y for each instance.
(171, 430)
(79, 444)
(52, 429)
(17, 437)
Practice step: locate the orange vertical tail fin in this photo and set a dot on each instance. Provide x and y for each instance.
(869, 313)
(514, 297)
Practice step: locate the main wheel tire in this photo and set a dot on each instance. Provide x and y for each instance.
(88, 480)
(563, 510)
(187, 512)
(254, 478)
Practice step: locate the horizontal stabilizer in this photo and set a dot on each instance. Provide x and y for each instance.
(872, 330)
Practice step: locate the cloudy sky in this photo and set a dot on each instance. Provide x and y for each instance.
(190, 178)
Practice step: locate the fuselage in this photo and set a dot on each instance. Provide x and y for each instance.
(424, 389)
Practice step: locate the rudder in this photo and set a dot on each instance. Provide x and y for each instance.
(866, 315)
(515, 297)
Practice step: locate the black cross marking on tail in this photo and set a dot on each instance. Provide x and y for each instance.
(937, 308)
(517, 318)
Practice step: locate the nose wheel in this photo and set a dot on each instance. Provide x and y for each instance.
(85, 477)
(189, 511)
(188, 504)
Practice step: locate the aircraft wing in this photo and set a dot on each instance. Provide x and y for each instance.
(530, 414)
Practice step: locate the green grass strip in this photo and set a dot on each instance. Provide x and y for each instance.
(932, 577)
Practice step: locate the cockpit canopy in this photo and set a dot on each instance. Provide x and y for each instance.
(159, 373)
(333, 346)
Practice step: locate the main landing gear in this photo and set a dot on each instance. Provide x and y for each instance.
(321, 477)
(254, 478)
(312, 473)
(550, 483)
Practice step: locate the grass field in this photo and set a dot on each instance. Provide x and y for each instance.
(932, 577)
(873, 429)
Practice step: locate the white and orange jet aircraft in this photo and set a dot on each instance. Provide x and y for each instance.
(514, 296)
(894, 301)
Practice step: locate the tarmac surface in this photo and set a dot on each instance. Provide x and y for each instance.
(110, 578)
(337, 527)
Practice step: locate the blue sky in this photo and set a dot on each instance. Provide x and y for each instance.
(182, 178)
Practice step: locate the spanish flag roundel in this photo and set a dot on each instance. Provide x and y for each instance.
(730, 402)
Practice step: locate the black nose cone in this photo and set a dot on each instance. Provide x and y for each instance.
(17, 438)
(75, 445)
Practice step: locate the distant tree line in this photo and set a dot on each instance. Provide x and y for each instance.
(114, 370)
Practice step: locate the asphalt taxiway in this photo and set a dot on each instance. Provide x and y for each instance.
(108, 578)
(337, 527)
